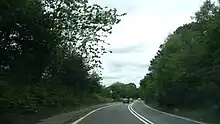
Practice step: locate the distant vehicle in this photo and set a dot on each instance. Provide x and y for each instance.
(125, 100)
(131, 100)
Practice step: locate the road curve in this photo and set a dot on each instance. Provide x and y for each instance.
(135, 113)
(158, 117)
(117, 114)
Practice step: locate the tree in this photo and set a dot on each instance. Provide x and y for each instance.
(83, 26)
(25, 38)
(46, 33)
(121, 90)
(49, 53)
(186, 66)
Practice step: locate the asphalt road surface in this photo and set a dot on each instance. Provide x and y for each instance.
(134, 113)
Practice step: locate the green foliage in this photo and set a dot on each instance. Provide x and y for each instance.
(120, 90)
(82, 26)
(185, 71)
(33, 98)
(25, 38)
(49, 53)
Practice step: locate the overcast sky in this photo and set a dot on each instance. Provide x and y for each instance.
(136, 39)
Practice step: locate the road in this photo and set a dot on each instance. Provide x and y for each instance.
(135, 113)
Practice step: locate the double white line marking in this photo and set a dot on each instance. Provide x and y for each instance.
(140, 117)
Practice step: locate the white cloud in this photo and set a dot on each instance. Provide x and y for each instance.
(136, 39)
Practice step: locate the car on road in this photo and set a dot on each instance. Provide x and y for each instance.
(131, 100)
(125, 100)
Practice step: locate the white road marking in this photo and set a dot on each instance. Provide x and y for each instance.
(77, 121)
(141, 118)
(140, 115)
(136, 115)
(176, 116)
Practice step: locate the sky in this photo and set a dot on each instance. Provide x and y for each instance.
(136, 39)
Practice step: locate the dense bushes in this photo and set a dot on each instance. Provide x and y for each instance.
(33, 98)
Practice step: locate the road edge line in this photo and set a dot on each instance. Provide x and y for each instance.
(136, 115)
(91, 112)
(176, 116)
(148, 121)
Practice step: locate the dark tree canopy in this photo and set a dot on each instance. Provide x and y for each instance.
(50, 53)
